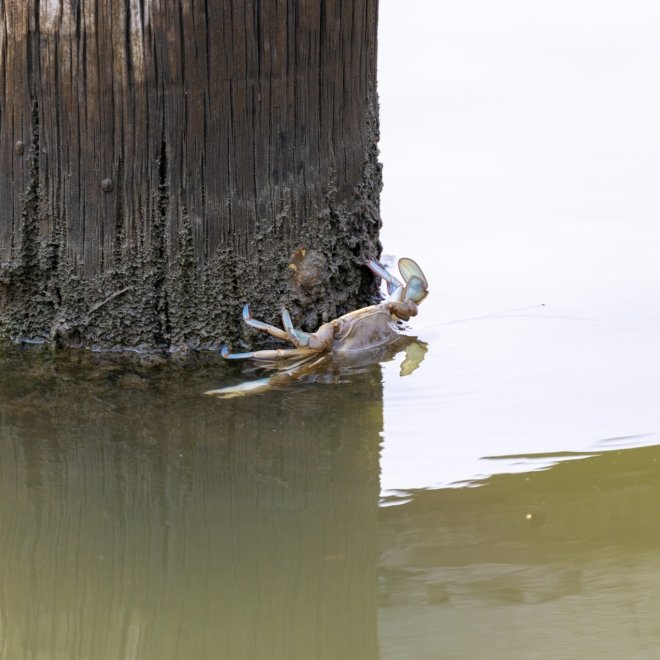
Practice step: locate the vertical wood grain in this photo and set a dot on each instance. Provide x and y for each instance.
(230, 121)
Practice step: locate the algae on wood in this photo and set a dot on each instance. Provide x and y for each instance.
(162, 163)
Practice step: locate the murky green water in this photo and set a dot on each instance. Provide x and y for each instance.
(563, 563)
(140, 519)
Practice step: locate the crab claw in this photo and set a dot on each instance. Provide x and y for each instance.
(298, 337)
(415, 290)
(416, 285)
(224, 351)
(408, 268)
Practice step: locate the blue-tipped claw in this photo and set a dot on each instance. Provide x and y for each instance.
(300, 337)
(224, 352)
(286, 320)
(260, 325)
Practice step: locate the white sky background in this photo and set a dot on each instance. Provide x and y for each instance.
(521, 151)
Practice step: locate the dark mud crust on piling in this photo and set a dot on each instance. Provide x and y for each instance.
(142, 304)
(157, 172)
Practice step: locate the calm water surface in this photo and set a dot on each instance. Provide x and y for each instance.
(141, 519)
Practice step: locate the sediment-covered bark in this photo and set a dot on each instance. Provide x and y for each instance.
(163, 162)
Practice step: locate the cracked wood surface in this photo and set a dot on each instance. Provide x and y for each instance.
(185, 150)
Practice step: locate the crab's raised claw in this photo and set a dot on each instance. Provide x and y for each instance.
(392, 282)
(415, 290)
(260, 325)
(224, 351)
(295, 336)
(409, 269)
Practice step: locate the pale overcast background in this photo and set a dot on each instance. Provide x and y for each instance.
(521, 151)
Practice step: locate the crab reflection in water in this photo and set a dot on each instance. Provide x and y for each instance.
(359, 338)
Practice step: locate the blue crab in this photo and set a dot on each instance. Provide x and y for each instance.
(351, 337)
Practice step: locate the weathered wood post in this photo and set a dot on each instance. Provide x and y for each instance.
(164, 161)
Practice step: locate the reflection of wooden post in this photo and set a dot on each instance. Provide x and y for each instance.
(162, 162)
(210, 529)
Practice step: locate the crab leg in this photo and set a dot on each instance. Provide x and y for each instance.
(250, 387)
(297, 368)
(392, 283)
(268, 354)
(296, 337)
(260, 325)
